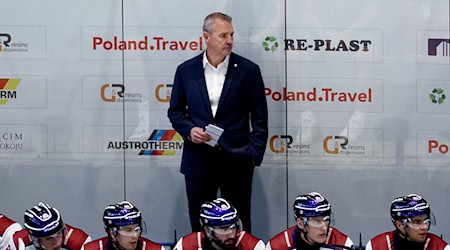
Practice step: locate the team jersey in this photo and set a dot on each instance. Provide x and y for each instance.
(387, 241)
(104, 244)
(74, 239)
(196, 241)
(286, 239)
(7, 228)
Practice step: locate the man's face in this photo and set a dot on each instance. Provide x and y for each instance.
(53, 242)
(316, 228)
(219, 39)
(223, 237)
(127, 236)
(417, 228)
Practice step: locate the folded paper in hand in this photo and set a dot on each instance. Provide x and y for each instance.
(215, 133)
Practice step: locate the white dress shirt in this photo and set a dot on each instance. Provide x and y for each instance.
(215, 77)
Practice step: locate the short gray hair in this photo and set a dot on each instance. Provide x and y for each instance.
(209, 19)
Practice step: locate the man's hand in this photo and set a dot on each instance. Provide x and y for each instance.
(198, 135)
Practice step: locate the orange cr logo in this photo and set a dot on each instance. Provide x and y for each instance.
(113, 93)
(282, 146)
(335, 150)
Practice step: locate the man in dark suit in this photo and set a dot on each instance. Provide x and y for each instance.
(224, 89)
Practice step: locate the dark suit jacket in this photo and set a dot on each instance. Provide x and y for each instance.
(241, 112)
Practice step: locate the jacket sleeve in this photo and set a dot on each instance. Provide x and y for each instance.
(258, 118)
(177, 112)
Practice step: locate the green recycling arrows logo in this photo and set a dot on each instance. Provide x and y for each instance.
(270, 44)
(437, 96)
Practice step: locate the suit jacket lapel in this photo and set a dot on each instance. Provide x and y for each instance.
(201, 84)
(231, 72)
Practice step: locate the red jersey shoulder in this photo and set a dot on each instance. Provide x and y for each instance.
(337, 237)
(435, 242)
(247, 241)
(75, 238)
(5, 222)
(101, 243)
(97, 244)
(147, 244)
(22, 234)
(279, 241)
(380, 241)
(191, 240)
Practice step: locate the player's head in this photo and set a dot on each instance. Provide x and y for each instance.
(313, 216)
(123, 224)
(218, 35)
(45, 226)
(412, 217)
(220, 222)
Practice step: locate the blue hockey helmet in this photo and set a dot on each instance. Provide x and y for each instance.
(409, 206)
(218, 212)
(121, 214)
(43, 221)
(311, 205)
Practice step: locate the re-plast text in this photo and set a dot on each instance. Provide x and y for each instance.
(327, 45)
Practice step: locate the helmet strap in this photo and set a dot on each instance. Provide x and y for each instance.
(406, 235)
(304, 231)
(112, 235)
(117, 245)
(402, 231)
(112, 232)
(113, 238)
(306, 237)
(36, 243)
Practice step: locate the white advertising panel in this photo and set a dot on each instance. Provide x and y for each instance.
(23, 42)
(23, 92)
(432, 96)
(317, 45)
(325, 94)
(23, 141)
(433, 46)
(141, 141)
(433, 147)
(108, 92)
(141, 43)
(326, 145)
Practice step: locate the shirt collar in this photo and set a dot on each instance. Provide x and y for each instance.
(222, 64)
